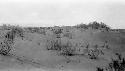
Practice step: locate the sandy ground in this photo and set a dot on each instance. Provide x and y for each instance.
(12, 64)
(49, 61)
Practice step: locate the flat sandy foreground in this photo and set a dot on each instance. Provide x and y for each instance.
(7, 65)
(26, 70)
(35, 70)
(23, 70)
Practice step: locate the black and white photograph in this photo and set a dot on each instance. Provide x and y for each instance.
(62, 35)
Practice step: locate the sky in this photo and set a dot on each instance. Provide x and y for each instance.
(62, 12)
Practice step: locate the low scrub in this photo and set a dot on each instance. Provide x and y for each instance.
(63, 49)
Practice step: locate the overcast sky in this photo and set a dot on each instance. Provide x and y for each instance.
(62, 12)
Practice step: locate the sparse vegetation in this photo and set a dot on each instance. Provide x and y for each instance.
(67, 42)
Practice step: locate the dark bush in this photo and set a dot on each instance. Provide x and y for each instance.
(115, 65)
(99, 69)
(54, 44)
(67, 49)
(5, 48)
(119, 64)
(95, 52)
(6, 44)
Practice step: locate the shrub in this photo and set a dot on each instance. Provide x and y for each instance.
(67, 49)
(57, 31)
(68, 34)
(94, 25)
(99, 69)
(119, 64)
(33, 29)
(16, 31)
(95, 52)
(6, 47)
(115, 65)
(42, 31)
(63, 49)
(8, 41)
(54, 44)
(84, 26)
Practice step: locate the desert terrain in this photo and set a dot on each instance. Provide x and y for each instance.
(66, 48)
